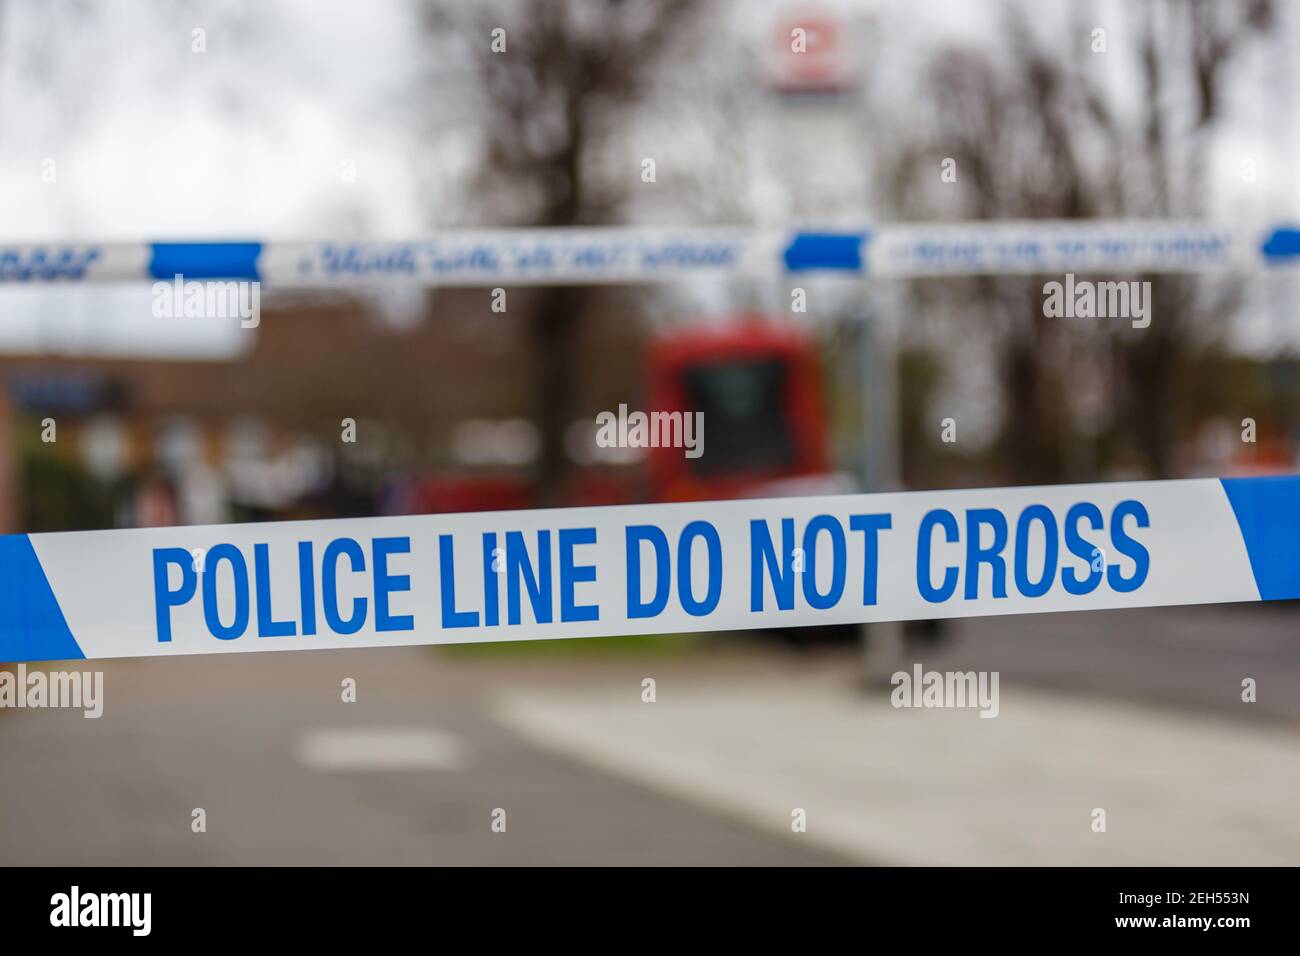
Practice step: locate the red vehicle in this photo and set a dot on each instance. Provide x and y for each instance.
(759, 387)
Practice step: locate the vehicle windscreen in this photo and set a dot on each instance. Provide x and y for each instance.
(747, 424)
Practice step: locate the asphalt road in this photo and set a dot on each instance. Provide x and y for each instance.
(230, 736)
(1192, 658)
(286, 772)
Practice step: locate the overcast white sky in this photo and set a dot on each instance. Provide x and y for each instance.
(247, 140)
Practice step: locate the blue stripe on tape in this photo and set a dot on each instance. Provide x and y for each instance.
(826, 250)
(1268, 513)
(32, 627)
(1282, 243)
(205, 260)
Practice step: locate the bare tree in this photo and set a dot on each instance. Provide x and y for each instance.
(553, 84)
(1038, 131)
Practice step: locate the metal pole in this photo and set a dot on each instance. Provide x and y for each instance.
(881, 643)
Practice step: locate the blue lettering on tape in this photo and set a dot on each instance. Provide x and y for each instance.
(47, 265)
(987, 536)
(636, 535)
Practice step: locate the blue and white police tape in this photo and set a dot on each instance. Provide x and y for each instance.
(598, 572)
(617, 255)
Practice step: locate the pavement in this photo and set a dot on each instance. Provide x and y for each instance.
(945, 787)
(1137, 713)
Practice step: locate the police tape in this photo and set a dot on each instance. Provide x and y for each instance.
(646, 569)
(622, 255)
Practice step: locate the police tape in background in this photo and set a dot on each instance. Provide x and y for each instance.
(646, 569)
(630, 254)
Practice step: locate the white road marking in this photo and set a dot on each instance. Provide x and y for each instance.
(380, 748)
